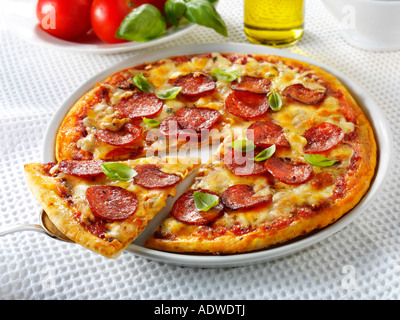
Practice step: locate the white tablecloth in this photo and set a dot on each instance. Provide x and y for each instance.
(362, 261)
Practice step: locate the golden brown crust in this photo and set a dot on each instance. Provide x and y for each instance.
(44, 188)
(71, 130)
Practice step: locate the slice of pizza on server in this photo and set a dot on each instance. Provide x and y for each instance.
(104, 206)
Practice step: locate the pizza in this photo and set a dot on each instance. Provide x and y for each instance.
(293, 150)
(104, 206)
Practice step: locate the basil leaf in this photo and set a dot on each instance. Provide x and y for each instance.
(142, 24)
(318, 161)
(265, 154)
(275, 101)
(141, 82)
(243, 145)
(174, 10)
(169, 93)
(151, 122)
(204, 13)
(225, 74)
(118, 171)
(205, 201)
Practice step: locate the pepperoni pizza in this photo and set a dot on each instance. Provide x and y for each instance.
(295, 151)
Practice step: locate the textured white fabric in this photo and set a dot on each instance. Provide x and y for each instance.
(360, 262)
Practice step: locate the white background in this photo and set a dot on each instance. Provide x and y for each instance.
(362, 261)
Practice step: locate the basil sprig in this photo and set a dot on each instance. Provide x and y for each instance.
(275, 101)
(243, 145)
(174, 11)
(205, 201)
(265, 154)
(141, 82)
(319, 161)
(142, 24)
(118, 171)
(146, 22)
(228, 75)
(201, 12)
(151, 122)
(169, 93)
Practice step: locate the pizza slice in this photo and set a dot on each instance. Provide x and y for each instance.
(104, 206)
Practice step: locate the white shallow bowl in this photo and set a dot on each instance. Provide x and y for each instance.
(368, 24)
(20, 17)
(370, 108)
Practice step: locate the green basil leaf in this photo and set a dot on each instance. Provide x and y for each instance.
(174, 10)
(318, 161)
(225, 74)
(118, 171)
(243, 145)
(169, 93)
(205, 201)
(151, 122)
(204, 13)
(275, 101)
(141, 82)
(265, 154)
(142, 24)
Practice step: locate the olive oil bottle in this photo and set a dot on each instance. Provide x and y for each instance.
(273, 22)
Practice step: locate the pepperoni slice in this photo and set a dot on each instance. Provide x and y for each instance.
(170, 127)
(122, 80)
(241, 196)
(81, 168)
(128, 134)
(197, 118)
(322, 137)
(189, 122)
(346, 108)
(111, 203)
(184, 209)
(252, 84)
(123, 153)
(242, 164)
(287, 172)
(302, 94)
(151, 177)
(266, 133)
(195, 85)
(247, 105)
(139, 105)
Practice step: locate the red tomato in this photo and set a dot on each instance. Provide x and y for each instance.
(107, 15)
(64, 19)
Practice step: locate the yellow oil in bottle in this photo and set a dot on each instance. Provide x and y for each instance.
(273, 22)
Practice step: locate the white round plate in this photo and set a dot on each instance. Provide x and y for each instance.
(370, 108)
(20, 17)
